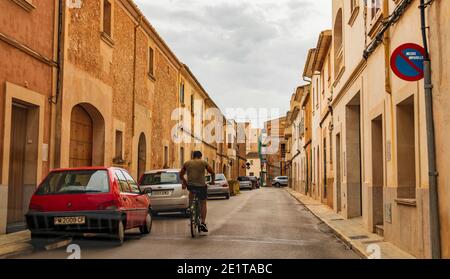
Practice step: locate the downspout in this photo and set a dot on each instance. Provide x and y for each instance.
(134, 78)
(55, 150)
(54, 99)
(387, 50)
(435, 237)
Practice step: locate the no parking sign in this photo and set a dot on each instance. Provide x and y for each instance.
(407, 62)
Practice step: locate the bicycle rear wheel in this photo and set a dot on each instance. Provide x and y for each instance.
(193, 219)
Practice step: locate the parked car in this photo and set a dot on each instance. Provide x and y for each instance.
(221, 188)
(255, 182)
(167, 191)
(245, 182)
(88, 200)
(280, 181)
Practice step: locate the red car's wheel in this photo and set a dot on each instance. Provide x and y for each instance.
(120, 233)
(147, 227)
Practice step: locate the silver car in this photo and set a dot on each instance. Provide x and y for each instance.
(245, 182)
(167, 191)
(280, 181)
(220, 187)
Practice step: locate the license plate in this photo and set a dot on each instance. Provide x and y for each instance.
(161, 193)
(81, 220)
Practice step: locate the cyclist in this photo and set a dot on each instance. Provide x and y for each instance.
(196, 182)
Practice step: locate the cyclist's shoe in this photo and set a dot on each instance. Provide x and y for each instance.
(204, 228)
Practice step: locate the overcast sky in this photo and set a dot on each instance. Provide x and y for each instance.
(245, 53)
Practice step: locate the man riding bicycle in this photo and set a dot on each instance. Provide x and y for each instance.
(196, 182)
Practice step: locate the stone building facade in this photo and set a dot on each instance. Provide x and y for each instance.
(28, 74)
(104, 89)
(370, 127)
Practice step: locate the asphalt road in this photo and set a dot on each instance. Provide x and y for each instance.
(260, 224)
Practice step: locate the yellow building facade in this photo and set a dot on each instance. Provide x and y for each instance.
(369, 134)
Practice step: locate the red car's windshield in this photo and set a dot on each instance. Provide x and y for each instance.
(75, 182)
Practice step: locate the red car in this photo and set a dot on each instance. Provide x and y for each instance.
(88, 200)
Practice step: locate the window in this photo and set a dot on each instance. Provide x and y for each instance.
(375, 8)
(182, 93)
(161, 178)
(192, 103)
(329, 68)
(166, 157)
(312, 165)
(314, 99)
(331, 151)
(338, 44)
(119, 144)
(317, 92)
(75, 182)
(230, 140)
(133, 185)
(123, 184)
(322, 79)
(107, 17)
(151, 70)
(406, 150)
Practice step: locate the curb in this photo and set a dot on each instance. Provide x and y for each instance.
(338, 233)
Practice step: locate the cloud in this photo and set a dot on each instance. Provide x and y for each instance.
(245, 53)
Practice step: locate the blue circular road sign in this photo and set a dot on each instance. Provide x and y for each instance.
(407, 62)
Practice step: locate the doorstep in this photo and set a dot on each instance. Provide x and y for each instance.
(15, 244)
(351, 231)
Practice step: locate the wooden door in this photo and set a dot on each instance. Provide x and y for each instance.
(81, 137)
(17, 164)
(142, 155)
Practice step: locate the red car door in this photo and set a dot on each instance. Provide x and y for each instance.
(125, 197)
(140, 206)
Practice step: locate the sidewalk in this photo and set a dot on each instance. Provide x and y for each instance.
(15, 244)
(351, 231)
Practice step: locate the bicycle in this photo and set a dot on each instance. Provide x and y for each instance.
(195, 216)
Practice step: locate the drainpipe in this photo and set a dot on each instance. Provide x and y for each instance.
(55, 150)
(134, 77)
(54, 99)
(387, 50)
(435, 237)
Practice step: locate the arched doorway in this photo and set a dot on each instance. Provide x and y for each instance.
(87, 137)
(142, 155)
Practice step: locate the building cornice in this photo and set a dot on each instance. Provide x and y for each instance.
(322, 49)
(12, 42)
(308, 70)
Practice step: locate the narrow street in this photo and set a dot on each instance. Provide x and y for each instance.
(258, 224)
